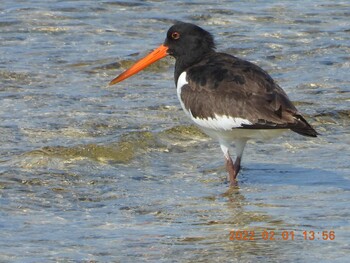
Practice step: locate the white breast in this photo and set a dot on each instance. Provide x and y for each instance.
(180, 83)
(221, 122)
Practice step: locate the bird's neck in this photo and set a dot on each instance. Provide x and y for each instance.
(184, 62)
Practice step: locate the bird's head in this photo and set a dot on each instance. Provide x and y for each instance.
(184, 41)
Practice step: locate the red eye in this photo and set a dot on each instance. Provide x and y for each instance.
(175, 35)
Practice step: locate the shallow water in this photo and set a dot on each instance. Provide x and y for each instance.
(91, 173)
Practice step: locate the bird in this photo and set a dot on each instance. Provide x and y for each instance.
(230, 99)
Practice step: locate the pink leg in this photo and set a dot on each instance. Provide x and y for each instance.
(233, 170)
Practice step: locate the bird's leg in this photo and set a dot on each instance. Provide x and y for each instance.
(232, 169)
(238, 164)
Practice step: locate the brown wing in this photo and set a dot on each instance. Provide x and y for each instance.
(226, 85)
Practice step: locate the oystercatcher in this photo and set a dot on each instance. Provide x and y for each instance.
(230, 99)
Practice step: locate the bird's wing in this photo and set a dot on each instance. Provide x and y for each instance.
(232, 88)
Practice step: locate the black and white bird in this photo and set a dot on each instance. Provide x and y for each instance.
(230, 99)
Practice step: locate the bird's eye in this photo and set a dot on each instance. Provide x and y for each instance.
(175, 35)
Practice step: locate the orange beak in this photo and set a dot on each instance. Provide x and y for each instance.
(154, 56)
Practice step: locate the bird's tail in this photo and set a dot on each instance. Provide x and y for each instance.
(304, 128)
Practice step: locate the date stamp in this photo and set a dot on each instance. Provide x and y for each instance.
(284, 235)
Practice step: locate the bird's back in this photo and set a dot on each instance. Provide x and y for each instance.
(224, 85)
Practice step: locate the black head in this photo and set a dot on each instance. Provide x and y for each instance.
(188, 40)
